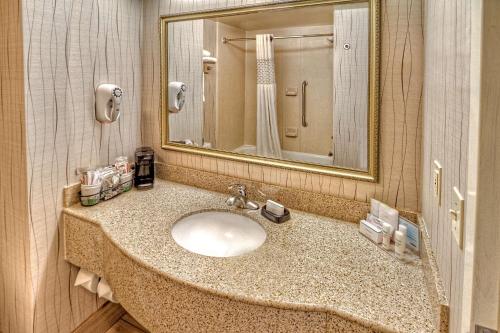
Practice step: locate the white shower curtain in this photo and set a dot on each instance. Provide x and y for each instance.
(268, 141)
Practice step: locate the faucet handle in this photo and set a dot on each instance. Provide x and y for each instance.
(241, 188)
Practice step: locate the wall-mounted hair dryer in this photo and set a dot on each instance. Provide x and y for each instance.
(108, 98)
(176, 96)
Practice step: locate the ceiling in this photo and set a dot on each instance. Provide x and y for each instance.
(308, 16)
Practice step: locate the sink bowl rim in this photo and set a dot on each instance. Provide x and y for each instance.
(226, 211)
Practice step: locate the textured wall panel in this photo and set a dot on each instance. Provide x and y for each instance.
(70, 46)
(185, 65)
(401, 92)
(350, 90)
(446, 110)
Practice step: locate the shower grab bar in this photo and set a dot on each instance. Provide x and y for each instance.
(304, 120)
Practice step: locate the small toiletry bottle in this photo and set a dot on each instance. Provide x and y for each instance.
(400, 243)
(386, 236)
(403, 229)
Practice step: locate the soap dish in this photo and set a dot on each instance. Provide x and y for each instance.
(275, 218)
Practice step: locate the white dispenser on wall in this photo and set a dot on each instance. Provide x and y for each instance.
(108, 98)
(176, 96)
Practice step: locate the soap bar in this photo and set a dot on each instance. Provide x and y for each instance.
(275, 218)
(371, 231)
(275, 208)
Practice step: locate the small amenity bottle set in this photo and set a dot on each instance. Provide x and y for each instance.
(106, 182)
(383, 225)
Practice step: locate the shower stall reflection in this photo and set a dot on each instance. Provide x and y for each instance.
(281, 86)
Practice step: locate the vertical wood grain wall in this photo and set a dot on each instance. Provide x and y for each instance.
(400, 116)
(445, 133)
(16, 299)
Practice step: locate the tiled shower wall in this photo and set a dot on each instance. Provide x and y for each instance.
(400, 115)
(445, 133)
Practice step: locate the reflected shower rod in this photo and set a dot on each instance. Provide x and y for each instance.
(227, 40)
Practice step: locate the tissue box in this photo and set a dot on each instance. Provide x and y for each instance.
(371, 231)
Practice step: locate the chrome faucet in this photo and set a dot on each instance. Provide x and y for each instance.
(240, 200)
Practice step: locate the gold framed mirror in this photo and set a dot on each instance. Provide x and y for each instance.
(219, 100)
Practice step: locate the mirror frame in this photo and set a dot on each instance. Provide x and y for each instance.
(370, 175)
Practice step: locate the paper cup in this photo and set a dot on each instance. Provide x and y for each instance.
(126, 181)
(90, 194)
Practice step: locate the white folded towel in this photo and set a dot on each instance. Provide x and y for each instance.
(87, 280)
(209, 60)
(104, 291)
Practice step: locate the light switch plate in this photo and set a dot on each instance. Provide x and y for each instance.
(457, 216)
(437, 179)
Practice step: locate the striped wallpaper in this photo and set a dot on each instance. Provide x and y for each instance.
(70, 46)
(187, 124)
(445, 133)
(350, 86)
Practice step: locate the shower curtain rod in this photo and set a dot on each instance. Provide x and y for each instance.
(227, 40)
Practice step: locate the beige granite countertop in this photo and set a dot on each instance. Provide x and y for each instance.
(308, 263)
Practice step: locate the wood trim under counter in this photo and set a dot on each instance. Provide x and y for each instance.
(102, 320)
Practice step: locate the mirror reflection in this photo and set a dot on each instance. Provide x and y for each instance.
(289, 84)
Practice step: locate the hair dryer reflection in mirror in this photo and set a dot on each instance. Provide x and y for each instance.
(176, 96)
(108, 99)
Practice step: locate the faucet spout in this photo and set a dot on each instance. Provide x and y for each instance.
(240, 200)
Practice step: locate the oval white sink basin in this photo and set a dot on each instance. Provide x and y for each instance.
(218, 234)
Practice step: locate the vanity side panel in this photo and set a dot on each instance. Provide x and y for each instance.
(83, 244)
(162, 305)
(400, 114)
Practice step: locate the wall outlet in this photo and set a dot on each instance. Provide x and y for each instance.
(457, 216)
(437, 178)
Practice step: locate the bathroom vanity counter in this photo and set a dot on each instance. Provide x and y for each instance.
(312, 273)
